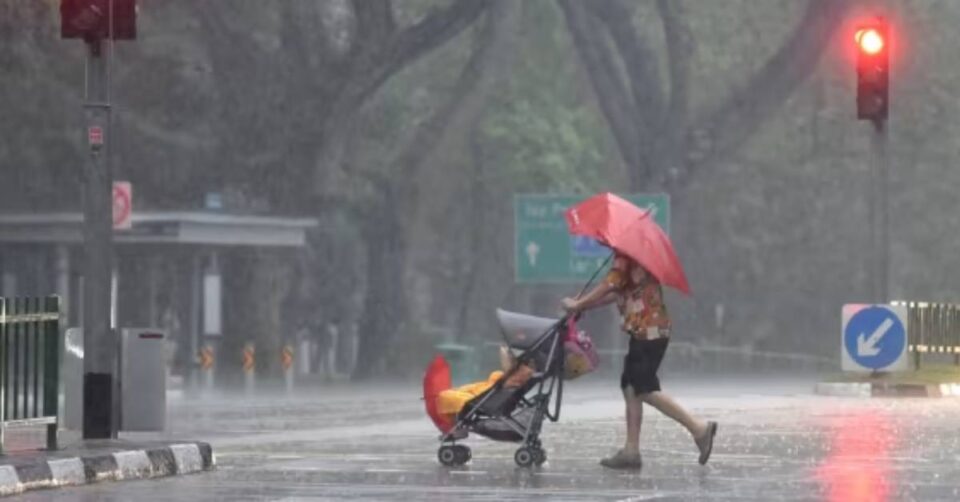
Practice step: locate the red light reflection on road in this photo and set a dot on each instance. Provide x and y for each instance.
(857, 469)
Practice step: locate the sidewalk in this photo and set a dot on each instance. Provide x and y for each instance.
(92, 461)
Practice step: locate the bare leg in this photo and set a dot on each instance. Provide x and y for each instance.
(634, 420)
(629, 456)
(666, 405)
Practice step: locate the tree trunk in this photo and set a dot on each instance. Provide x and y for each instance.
(384, 307)
(656, 138)
(476, 222)
(388, 225)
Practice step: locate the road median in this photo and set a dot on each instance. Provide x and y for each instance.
(97, 461)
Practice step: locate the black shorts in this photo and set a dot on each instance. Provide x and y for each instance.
(641, 364)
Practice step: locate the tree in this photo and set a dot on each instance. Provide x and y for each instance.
(662, 140)
(330, 60)
(36, 155)
(289, 104)
(389, 215)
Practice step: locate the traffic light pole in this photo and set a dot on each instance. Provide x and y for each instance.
(99, 344)
(881, 213)
(873, 80)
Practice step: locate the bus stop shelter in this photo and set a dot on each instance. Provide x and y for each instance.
(178, 254)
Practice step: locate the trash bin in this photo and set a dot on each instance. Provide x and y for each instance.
(462, 360)
(142, 394)
(143, 379)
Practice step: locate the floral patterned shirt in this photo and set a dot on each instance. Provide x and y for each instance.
(639, 299)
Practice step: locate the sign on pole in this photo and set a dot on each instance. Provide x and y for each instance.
(545, 252)
(122, 205)
(95, 137)
(874, 338)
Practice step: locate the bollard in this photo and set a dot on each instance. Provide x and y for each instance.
(249, 367)
(303, 365)
(206, 367)
(286, 362)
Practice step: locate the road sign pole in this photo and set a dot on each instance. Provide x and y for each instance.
(99, 385)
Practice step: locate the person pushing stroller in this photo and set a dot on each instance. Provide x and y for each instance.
(638, 293)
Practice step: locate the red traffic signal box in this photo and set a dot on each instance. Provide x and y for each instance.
(90, 19)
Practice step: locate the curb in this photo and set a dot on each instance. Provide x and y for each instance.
(184, 458)
(843, 389)
(882, 389)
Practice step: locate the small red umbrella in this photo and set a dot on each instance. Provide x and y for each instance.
(632, 231)
(436, 380)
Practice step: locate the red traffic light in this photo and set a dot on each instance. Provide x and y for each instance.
(89, 19)
(873, 70)
(870, 40)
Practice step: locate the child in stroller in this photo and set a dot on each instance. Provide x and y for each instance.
(511, 404)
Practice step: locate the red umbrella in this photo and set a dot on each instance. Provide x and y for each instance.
(632, 231)
(436, 380)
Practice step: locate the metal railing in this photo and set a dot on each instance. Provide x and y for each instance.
(932, 328)
(700, 358)
(29, 364)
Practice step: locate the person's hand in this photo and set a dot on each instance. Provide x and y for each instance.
(570, 304)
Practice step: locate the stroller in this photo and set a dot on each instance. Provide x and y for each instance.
(516, 413)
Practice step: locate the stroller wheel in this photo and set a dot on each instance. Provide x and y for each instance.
(539, 456)
(448, 455)
(524, 457)
(463, 454)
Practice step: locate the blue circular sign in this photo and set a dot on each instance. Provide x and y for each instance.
(874, 337)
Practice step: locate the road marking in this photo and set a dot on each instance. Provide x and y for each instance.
(285, 457)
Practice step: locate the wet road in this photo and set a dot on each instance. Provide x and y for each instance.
(776, 442)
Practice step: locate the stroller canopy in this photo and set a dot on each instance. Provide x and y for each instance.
(522, 330)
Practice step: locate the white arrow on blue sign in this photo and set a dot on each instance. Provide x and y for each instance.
(874, 338)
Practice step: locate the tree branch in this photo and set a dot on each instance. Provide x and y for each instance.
(375, 20)
(675, 148)
(230, 48)
(376, 65)
(470, 91)
(679, 40)
(296, 45)
(639, 61)
(748, 106)
(372, 67)
(611, 94)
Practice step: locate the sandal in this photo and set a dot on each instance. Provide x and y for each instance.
(623, 460)
(705, 442)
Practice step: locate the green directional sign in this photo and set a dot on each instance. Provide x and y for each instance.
(544, 252)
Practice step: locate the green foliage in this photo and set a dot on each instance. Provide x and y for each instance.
(541, 133)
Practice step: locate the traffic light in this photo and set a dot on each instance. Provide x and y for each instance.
(89, 19)
(873, 71)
